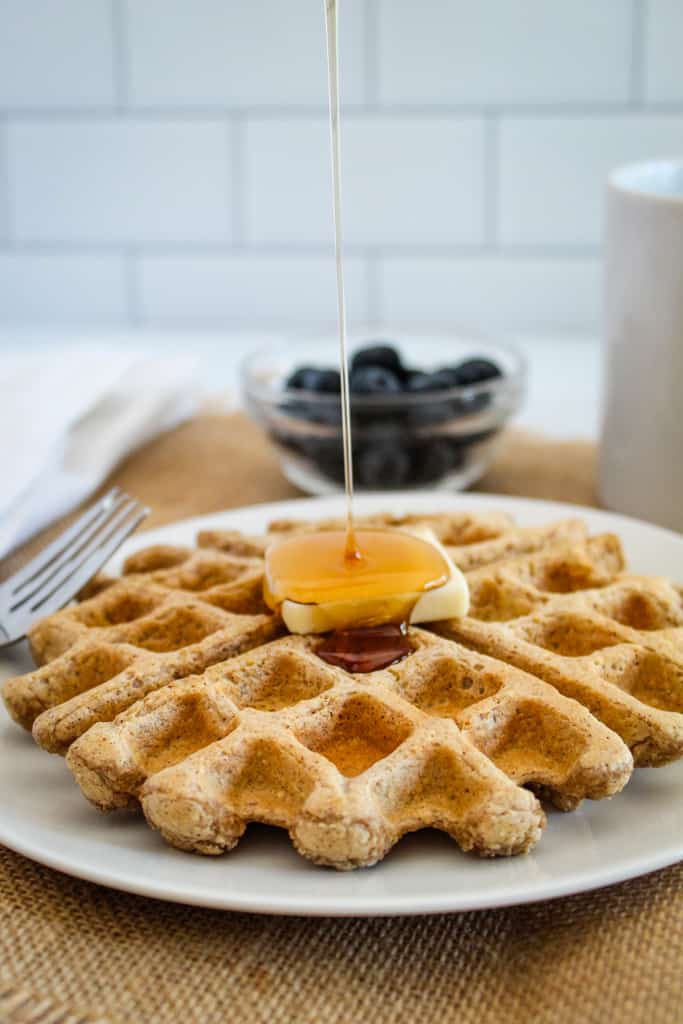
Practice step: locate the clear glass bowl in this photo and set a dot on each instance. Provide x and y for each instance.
(406, 441)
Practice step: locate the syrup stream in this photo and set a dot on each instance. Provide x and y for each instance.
(316, 576)
(352, 551)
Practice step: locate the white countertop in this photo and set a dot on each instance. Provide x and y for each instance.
(564, 372)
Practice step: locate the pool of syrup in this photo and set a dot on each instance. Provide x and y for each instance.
(367, 649)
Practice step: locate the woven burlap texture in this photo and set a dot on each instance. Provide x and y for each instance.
(608, 956)
(76, 953)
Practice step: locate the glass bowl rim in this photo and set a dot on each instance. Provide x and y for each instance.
(507, 383)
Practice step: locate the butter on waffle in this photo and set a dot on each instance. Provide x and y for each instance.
(99, 657)
(349, 763)
(611, 641)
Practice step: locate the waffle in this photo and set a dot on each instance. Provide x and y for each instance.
(471, 540)
(172, 688)
(522, 725)
(347, 770)
(348, 763)
(612, 641)
(236, 577)
(157, 624)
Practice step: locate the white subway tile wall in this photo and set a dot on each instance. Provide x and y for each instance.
(168, 162)
(553, 173)
(257, 53)
(237, 290)
(406, 181)
(664, 42)
(553, 294)
(56, 54)
(38, 286)
(116, 180)
(504, 51)
(4, 197)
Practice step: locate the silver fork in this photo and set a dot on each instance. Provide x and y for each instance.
(62, 568)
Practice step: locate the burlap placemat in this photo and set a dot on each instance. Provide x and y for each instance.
(76, 953)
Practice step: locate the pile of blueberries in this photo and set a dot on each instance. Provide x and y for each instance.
(396, 444)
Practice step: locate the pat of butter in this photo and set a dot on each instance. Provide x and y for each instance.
(448, 601)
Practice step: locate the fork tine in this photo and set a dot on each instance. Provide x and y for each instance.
(52, 551)
(78, 556)
(77, 576)
(40, 579)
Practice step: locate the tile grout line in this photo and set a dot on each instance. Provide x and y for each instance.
(313, 250)
(416, 112)
(491, 179)
(120, 55)
(638, 51)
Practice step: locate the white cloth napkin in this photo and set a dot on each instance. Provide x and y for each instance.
(67, 418)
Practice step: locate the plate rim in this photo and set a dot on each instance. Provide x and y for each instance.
(330, 907)
(366, 906)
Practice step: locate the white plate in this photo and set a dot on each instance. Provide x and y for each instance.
(43, 815)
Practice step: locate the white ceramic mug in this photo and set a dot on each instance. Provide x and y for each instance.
(641, 456)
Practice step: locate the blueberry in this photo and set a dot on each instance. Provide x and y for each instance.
(416, 381)
(301, 378)
(385, 356)
(435, 458)
(370, 425)
(438, 380)
(324, 383)
(451, 377)
(328, 458)
(468, 405)
(326, 412)
(374, 380)
(332, 467)
(310, 378)
(429, 414)
(475, 371)
(445, 377)
(382, 465)
(324, 452)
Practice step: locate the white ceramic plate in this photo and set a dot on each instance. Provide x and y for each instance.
(43, 815)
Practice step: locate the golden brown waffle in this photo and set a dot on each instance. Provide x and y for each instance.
(471, 539)
(507, 588)
(144, 684)
(102, 655)
(611, 641)
(349, 763)
(233, 576)
(89, 673)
